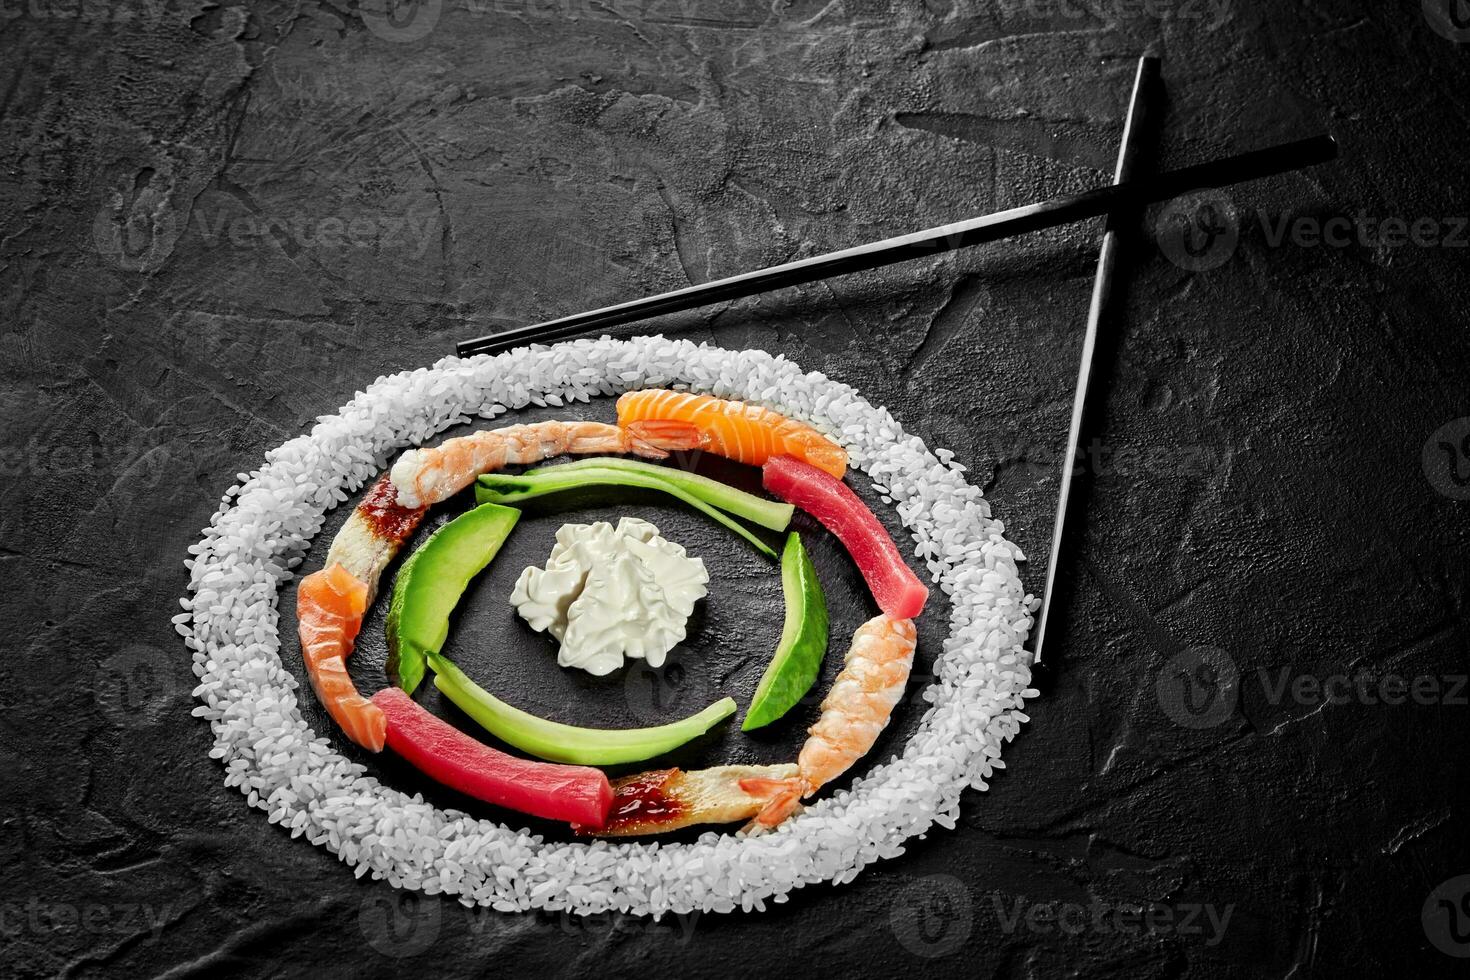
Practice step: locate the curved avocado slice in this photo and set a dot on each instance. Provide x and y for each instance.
(556, 742)
(430, 583)
(502, 489)
(798, 659)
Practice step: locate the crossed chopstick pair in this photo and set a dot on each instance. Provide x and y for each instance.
(1125, 196)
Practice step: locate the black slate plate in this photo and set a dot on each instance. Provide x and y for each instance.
(731, 635)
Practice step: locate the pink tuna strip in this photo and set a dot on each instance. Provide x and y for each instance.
(895, 587)
(577, 794)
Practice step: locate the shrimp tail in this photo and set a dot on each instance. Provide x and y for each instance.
(785, 799)
(655, 438)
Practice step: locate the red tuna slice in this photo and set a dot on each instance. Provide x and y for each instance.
(896, 588)
(576, 794)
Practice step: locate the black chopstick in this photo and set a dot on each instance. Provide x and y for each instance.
(974, 231)
(1134, 131)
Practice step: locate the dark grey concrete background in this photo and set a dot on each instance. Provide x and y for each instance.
(221, 219)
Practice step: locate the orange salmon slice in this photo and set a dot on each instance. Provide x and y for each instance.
(329, 608)
(745, 433)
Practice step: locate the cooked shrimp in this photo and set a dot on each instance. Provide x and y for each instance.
(427, 476)
(854, 713)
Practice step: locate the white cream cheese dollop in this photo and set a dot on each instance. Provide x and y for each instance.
(608, 593)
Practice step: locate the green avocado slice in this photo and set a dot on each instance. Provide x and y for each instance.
(557, 742)
(773, 514)
(502, 488)
(430, 583)
(798, 659)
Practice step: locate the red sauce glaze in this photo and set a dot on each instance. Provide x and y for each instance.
(387, 518)
(641, 799)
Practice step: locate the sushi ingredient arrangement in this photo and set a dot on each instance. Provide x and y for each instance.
(609, 594)
(737, 430)
(798, 658)
(501, 488)
(556, 742)
(896, 588)
(313, 783)
(576, 794)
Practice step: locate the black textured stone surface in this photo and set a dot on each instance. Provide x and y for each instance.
(222, 219)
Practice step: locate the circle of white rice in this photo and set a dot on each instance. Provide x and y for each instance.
(265, 523)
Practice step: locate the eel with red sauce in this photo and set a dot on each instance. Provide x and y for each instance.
(662, 800)
(385, 516)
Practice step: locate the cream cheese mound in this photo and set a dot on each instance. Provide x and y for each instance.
(609, 593)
